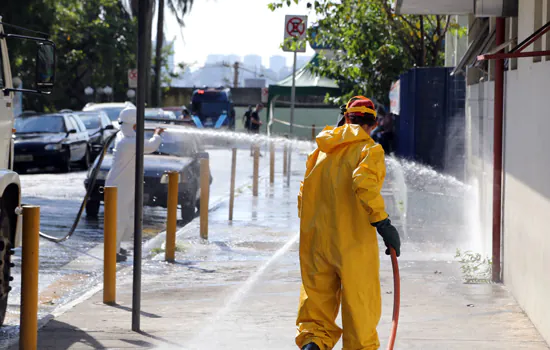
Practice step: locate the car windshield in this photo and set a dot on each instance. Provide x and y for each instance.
(40, 124)
(113, 112)
(154, 113)
(90, 121)
(169, 115)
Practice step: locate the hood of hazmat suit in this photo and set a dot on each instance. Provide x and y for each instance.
(122, 172)
(339, 199)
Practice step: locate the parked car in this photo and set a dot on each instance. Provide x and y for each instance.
(44, 140)
(111, 108)
(176, 110)
(178, 152)
(99, 128)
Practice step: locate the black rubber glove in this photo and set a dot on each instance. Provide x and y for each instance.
(389, 235)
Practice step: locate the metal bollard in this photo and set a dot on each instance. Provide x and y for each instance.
(271, 163)
(285, 160)
(313, 132)
(109, 245)
(205, 193)
(256, 171)
(29, 279)
(172, 216)
(232, 185)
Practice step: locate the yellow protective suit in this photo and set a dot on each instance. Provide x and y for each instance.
(338, 200)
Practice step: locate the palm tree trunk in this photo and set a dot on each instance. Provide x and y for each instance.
(158, 53)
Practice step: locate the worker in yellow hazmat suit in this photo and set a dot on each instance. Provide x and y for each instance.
(340, 208)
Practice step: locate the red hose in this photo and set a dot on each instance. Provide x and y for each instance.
(396, 298)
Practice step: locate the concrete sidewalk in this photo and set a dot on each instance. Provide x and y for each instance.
(239, 290)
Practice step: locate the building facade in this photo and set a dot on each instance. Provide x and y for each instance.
(525, 190)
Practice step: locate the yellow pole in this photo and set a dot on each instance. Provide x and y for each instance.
(29, 279)
(272, 163)
(285, 161)
(256, 171)
(232, 186)
(109, 247)
(313, 132)
(205, 193)
(172, 217)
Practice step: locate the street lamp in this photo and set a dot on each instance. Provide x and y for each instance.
(17, 82)
(89, 91)
(131, 93)
(107, 90)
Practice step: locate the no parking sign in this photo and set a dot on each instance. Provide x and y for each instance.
(295, 27)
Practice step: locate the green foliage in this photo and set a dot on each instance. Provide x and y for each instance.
(372, 44)
(96, 43)
(475, 268)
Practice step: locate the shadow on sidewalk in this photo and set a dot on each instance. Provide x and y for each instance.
(148, 335)
(143, 313)
(190, 266)
(59, 335)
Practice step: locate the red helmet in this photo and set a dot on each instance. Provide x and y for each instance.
(361, 108)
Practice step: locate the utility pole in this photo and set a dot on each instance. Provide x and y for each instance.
(236, 75)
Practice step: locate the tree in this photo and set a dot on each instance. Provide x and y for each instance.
(372, 44)
(95, 45)
(179, 9)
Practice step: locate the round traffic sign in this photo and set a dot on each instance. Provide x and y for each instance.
(295, 27)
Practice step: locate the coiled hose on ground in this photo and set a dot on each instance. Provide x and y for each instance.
(89, 190)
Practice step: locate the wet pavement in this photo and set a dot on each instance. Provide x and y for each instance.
(69, 269)
(239, 289)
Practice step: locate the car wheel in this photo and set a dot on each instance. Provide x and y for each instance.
(92, 208)
(85, 162)
(188, 212)
(5, 261)
(66, 166)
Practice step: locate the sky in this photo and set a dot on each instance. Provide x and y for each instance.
(226, 27)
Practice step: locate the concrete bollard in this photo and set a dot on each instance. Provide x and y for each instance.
(109, 245)
(172, 216)
(205, 193)
(271, 163)
(255, 174)
(29, 279)
(232, 185)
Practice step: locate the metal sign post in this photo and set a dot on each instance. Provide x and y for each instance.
(144, 15)
(295, 31)
(291, 127)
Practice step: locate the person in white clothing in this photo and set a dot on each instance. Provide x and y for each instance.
(122, 173)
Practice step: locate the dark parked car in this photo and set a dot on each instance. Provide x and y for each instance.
(45, 140)
(99, 128)
(178, 152)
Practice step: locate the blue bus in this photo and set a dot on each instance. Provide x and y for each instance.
(213, 108)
